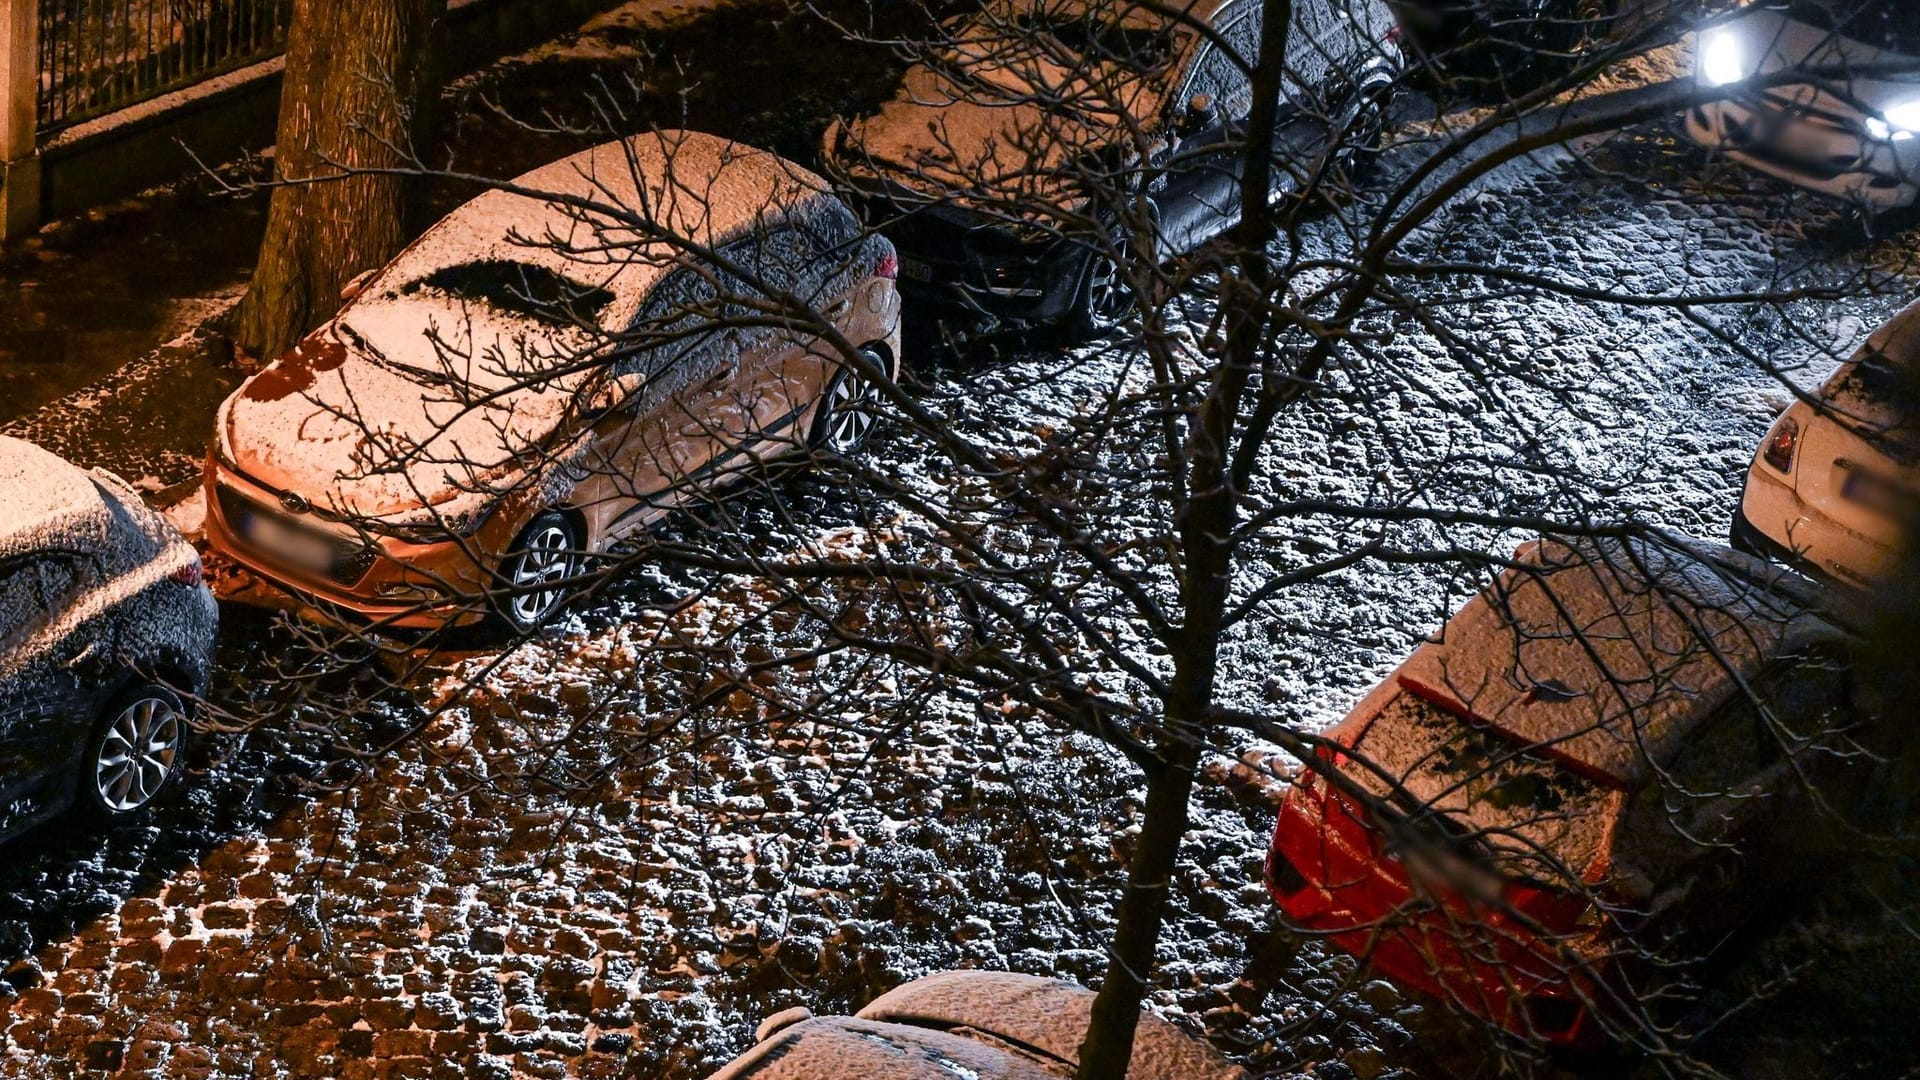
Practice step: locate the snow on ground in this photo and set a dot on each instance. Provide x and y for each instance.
(467, 909)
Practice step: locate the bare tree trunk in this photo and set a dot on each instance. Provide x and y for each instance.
(1206, 523)
(1116, 1010)
(353, 72)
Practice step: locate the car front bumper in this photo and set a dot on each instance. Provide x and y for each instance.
(1830, 158)
(1327, 872)
(404, 586)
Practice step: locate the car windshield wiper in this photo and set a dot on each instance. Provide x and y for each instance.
(406, 371)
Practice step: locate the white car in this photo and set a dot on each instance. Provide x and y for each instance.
(1836, 485)
(1851, 130)
(987, 1025)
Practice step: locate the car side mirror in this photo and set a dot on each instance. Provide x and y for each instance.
(618, 389)
(357, 284)
(1199, 115)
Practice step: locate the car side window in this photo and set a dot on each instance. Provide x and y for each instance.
(698, 315)
(23, 601)
(1795, 698)
(1215, 72)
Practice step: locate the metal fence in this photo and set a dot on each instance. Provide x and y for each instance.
(101, 55)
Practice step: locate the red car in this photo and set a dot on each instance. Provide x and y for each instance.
(1523, 804)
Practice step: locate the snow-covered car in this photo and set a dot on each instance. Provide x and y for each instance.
(537, 377)
(980, 165)
(1835, 487)
(1590, 758)
(985, 1025)
(106, 641)
(1851, 129)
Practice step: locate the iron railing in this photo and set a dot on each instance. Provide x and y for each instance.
(100, 55)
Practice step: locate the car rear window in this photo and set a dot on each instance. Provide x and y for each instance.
(1530, 815)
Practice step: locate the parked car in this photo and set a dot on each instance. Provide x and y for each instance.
(1835, 488)
(1513, 45)
(972, 166)
(106, 642)
(1851, 129)
(1589, 759)
(531, 381)
(983, 1024)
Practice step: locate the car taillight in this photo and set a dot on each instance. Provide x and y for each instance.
(1781, 444)
(188, 574)
(889, 267)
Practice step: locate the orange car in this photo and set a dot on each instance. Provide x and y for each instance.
(548, 369)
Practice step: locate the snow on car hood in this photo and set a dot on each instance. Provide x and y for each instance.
(1605, 655)
(50, 504)
(394, 443)
(1786, 39)
(996, 138)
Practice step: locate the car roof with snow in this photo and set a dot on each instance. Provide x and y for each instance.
(47, 502)
(1605, 655)
(592, 220)
(987, 1024)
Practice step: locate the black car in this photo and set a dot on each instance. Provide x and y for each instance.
(1001, 166)
(1514, 45)
(106, 639)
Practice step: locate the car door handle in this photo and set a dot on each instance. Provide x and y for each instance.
(89, 661)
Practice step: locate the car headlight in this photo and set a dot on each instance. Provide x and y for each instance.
(1723, 57)
(1901, 122)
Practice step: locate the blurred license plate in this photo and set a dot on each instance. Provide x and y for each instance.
(1877, 493)
(915, 270)
(297, 546)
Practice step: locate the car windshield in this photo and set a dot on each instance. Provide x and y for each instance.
(1468, 784)
(1885, 24)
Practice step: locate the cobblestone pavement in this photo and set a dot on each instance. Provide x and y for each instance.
(446, 917)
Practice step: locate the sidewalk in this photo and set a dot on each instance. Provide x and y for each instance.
(84, 296)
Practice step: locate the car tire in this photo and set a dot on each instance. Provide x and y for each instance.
(536, 572)
(845, 419)
(1103, 300)
(135, 755)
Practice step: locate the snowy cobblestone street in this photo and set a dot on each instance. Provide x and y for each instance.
(437, 920)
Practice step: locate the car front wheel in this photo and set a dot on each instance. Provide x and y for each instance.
(537, 571)
(135, 754)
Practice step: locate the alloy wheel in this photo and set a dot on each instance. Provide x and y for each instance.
(1109, 300)
(539, 574)
(850, 412)
(137, 754)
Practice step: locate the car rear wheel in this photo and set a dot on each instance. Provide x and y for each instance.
(848, 410)
(136, 752)
(536, 573)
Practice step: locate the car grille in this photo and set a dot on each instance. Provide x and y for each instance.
(344, 560)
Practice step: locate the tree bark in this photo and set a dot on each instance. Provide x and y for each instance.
(1205, 520)
(354, 71)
